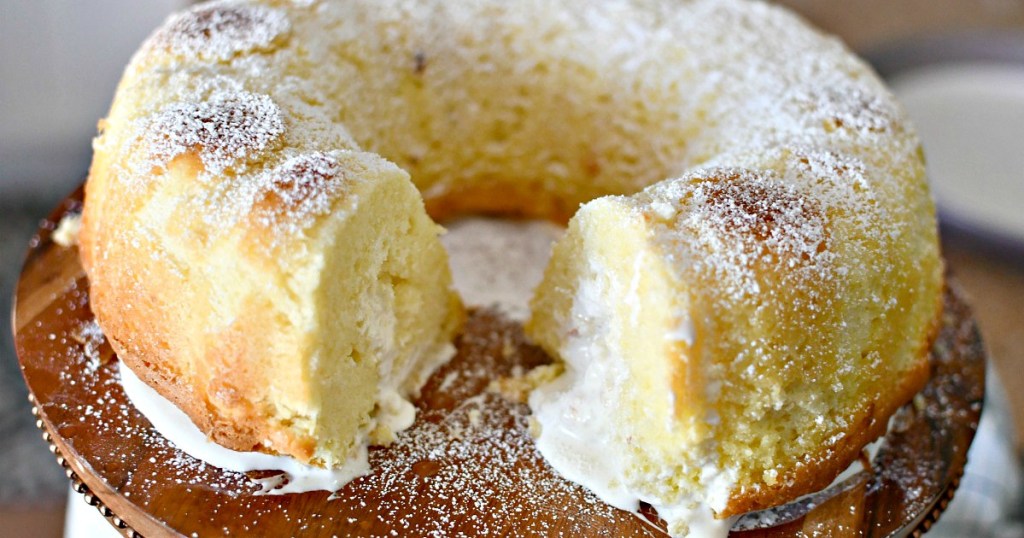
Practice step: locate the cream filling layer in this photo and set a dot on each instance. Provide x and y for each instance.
(176, 427)
(577, 429)
(573, 418)
(394, 411)
(572, 412)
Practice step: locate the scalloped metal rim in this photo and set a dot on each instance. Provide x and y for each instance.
(940, 505)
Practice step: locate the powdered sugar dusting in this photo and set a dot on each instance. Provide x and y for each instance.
(840, 171)
(286, 199)
(739, 220)
(477, 460)
(297, 191)
(849, 106)
(220, 30)
(92, 339)
(227, 128)
(752, 207)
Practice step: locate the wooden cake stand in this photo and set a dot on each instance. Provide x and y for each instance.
(468, 467)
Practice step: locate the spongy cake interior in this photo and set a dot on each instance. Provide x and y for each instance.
(378, 307)
(313, 345)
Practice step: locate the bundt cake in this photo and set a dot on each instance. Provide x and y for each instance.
(257, 238)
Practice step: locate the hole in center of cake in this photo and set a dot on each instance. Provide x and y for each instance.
(498, 262)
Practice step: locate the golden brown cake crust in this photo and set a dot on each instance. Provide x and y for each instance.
(146, 342)
(869, 425)
(526, 201)
(819, 472)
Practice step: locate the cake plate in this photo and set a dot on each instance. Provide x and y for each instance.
(467, 467)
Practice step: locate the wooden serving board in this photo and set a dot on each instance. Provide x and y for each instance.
(468, 467)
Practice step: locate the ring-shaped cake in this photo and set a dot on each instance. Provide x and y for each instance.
(746, 297)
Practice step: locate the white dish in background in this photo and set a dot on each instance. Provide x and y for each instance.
(965, 95)
(970, 117)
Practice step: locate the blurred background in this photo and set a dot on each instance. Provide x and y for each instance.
(958, 65)
(60, 61)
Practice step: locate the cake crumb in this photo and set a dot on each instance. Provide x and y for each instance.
(517, 387)
(66, 234)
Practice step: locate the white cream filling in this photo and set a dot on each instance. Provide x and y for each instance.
(67, 231)
(573, 410)
(573, 437)
(176, 427)
(394, 412)
(575, 414)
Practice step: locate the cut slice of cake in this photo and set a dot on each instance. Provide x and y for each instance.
(723, 348)
(299, 309)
